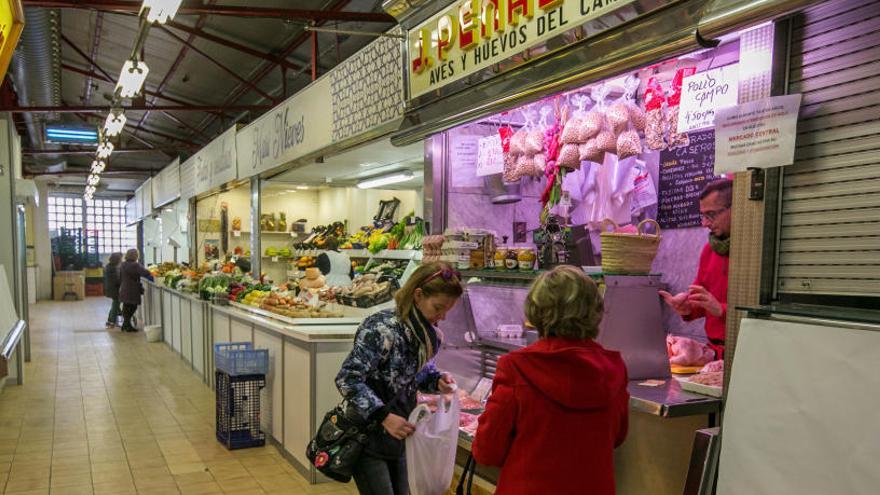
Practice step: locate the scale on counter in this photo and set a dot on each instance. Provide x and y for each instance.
(563, 245)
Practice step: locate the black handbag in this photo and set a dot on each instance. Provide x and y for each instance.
(339, 441)
(337, 445)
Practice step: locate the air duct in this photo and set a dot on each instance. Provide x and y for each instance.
(37, 68)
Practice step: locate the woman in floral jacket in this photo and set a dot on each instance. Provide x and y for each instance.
(390, 360)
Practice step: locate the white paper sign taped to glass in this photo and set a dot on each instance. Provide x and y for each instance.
(758, 134)
(705, 92)
(490, 156)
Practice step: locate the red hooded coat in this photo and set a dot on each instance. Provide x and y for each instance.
(557, 410)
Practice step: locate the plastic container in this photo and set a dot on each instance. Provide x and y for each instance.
(153, 333)
(240, 358)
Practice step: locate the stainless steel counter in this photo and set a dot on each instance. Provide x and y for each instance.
(669, 400)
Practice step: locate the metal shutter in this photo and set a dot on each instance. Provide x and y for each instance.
(830, 203)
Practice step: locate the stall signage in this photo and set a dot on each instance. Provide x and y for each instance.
(166, 184)
(11, 26)
(459, 40)
(131, 211)
(683, 174)
(215, 163)
(704, 93)
(295, 128)
(146, 197)
(757, 134)
(188, 179)
(490, 156)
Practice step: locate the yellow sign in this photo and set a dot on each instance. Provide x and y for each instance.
(461, 40)
(11, 25)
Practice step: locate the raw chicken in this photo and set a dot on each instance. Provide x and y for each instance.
(687, 352)
(713, 379)
(713, 366)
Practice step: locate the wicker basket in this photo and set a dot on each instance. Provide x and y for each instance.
(629, 253)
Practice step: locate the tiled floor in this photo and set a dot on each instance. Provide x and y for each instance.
(104, 412)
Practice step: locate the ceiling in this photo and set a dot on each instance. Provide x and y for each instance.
(350, 167)
(237, 67)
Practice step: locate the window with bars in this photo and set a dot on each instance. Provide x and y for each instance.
(65, 212)
(105, 217)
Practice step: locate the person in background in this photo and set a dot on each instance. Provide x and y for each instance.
(707, 296)
(559, 406)
(334, 265)
(130, 288)
(111, 288)
(391, 359)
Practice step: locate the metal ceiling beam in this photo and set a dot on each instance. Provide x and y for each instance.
(218, 63)
(92, 151)
(96, 42)
(101, 77)
(232, 44)
(174, 66)
(267, 68)
(177, 120)
(191, 8)
(136, 108)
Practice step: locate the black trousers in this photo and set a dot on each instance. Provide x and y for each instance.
(128, 311)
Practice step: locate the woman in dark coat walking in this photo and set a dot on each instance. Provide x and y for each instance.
(111, 288)
(130, 289)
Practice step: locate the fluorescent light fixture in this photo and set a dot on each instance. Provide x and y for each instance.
(302, 188)
(160, 11)
(93, 180)
(115, 123)
(131, 78)
(384, 180)
(71, 134)
(370, 165)
(98, 166)
(105, 150)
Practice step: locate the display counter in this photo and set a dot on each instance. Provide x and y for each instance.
(663, 418)
(304, 356)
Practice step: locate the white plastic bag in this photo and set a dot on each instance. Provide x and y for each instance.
(430, 451)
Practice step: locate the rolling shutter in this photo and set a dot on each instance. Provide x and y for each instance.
(830, 211)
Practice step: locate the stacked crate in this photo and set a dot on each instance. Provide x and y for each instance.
(94, 281)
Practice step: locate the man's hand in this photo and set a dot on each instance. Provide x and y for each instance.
(446, 384)
(678, 302)
(398, 427)
(699, 296)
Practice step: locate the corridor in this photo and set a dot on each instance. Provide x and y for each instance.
(107, 413)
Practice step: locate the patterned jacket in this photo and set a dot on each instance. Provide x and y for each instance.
(381, 376)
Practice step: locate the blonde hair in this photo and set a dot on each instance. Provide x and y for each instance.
(132, 255)
(566, 303)
(430, 278)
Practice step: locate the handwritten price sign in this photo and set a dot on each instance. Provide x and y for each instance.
(705, 92)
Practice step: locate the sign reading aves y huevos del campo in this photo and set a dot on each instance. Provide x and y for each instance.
(11, 25)
(471, 35)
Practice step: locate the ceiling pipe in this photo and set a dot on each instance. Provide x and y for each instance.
(136, 108)
(226, 10)
(36, 68)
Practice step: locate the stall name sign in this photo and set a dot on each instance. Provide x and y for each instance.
(215, 164)
(300, 125)
(705, 92)
(285, 133)
(11, 26)
(757, 134)
(462, 39)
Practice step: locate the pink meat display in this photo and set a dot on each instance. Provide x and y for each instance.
(687, 352)
(713, 366)
(713, 379)
(468, 423)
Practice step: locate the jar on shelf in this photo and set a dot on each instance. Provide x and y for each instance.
(526, 259)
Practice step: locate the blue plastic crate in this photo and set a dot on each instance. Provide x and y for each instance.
(240, 358)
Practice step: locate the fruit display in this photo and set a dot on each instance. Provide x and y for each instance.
(405, 234)
(312, 280)
(323, 236)
(283, 252)
(306, 262)
(211, 285)
(159, 271)
(391, 268)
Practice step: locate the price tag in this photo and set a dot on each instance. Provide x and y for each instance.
(236, 233)
(275, 259)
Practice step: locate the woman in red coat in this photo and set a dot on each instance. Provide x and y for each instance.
(560, 406)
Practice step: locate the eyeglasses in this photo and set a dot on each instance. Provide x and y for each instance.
(447, 274)
(712, 215)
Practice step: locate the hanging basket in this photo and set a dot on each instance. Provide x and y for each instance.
(630, 254)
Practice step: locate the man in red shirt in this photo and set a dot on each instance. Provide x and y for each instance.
(707, 297)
